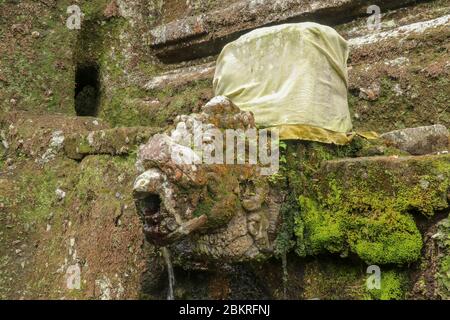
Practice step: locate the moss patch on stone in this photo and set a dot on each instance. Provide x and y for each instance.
(364, 207)
(331, 279)
(393, 286)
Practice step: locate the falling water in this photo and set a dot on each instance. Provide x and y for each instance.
(171, 275)
(285, 274)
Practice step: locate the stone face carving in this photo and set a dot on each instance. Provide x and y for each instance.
(200, 208)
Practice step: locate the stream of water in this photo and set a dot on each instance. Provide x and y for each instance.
(170, 274)
(285, 274)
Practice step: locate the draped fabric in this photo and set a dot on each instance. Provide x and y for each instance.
(292, 77)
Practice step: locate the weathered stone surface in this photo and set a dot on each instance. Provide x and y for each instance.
(117, 141)
(42, 136)
(403, 31)
(180, 77)
(185, 75)
(111, 10)
(196, 206)
(420, 140)
(433, 277)
(205, 35)
(178, 30)
(43, 234)
(397, 172)
(97, 209)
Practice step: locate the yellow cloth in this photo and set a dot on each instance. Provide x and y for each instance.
(305, 132)
(291, 76)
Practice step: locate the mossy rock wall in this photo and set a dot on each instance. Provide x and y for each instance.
(94, 226)
(73, 205)
(365, 206)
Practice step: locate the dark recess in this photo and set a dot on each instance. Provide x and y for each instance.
(87, 90)
(151, 204)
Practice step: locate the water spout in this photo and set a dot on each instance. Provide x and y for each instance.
(170, 274)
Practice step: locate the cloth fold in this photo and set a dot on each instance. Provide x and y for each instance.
(292, 77)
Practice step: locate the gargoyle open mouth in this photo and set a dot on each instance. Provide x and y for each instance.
(162, 211)
(150, 207)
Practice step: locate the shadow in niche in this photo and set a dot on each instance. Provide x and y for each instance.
(238, 282)
(151, 204)
(318, 277)
(154, 281)
(87, 90)
(149, 207)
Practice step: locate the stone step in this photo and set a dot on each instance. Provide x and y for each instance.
(116, 141)
(403, 31)
(204, 35)
(185, 75)
(421, 180)
(181, 77)
(41, 137)
(419, 140)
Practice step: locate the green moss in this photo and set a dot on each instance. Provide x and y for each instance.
(129, 105)
(417, 185)
(397, 247)
(40, 73)
(37, 195)
(93, 9)
(119, 107)
(180, 101)
(220, 202)
(365, 208)
(334, 279)
(376, 237)
(204, 208)
(83, 146)
(31, 195)
(90, 181)
(285, 237)
(95, 171)
(319, 231)
(47, 63)
(444, 276)
(443, 273)
(393, 286)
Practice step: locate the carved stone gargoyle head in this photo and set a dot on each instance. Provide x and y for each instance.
(193, 202)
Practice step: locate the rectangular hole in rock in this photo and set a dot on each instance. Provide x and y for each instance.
(87, 90)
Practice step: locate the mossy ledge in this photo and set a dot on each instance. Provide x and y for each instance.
(365, 206)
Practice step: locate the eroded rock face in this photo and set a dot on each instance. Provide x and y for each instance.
(203, 35)
(204, 209)
(433, 278)
(420, 140)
